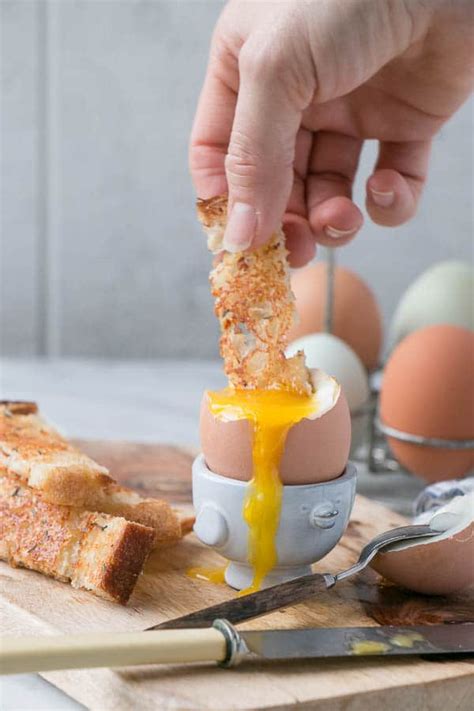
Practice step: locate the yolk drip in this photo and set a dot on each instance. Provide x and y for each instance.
(271, 414)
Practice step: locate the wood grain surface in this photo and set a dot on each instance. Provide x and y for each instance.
(32, 604)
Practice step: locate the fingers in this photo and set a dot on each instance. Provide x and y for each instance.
(297, 201)
(299, 240)
(259, 163)
(333, 216)
(299, 237)
(211, 133)
(395, 187)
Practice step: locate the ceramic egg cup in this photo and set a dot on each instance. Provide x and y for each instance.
(312, 520)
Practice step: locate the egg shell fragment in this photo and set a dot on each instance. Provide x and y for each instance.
(443, 568)
(331, 354)
(441, 565)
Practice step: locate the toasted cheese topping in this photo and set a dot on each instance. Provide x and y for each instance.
(255, 307)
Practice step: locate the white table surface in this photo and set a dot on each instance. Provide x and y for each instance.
(145, 401)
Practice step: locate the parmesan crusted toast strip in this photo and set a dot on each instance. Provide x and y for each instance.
(255, 307)
(41, 458)
(93, 551)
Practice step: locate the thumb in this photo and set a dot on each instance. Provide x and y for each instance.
(259, 163)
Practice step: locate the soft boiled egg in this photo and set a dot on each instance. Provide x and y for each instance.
(271, 438)
(314, 433)
(442, 564)
(326, 351)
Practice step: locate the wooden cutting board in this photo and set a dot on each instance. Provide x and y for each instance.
(32, 604)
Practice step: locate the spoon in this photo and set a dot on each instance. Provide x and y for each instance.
(294, 591)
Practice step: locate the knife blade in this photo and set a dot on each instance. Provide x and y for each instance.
(259, 603)
(320, 643)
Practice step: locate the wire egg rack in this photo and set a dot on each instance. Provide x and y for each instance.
(375, 452)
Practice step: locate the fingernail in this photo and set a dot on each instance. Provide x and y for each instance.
(334, 233)
(241, 227)
(382, 199)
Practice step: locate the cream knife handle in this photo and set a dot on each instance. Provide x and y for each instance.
(36, 654)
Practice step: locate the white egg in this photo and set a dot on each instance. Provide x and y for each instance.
(442, 294)
(336, 358)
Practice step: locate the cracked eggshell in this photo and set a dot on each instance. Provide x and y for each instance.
(315, 449)
(326, 351)
(440, 565)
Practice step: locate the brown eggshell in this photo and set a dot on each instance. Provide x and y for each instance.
(315, 450)
(438, 568)
(356, 316)
(428, 390)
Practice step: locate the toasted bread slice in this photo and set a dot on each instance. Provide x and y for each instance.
(255, 307)
(37, 454)
(94, 551)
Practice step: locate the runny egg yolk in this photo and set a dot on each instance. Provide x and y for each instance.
(271, 414)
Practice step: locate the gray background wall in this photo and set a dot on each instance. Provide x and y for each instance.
(100, 251)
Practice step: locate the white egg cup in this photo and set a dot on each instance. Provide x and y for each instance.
(312, 520)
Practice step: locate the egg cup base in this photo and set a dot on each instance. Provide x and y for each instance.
(240, 575)
(313, 518)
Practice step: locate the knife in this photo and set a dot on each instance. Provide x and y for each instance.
(222, 643)
(297, 590)
(255, 604)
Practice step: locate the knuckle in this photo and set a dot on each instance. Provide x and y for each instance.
(257, 161)
(223, 59)
(283, 66)
(198, 156)
(337, 178)
(204, 156)
(242, 167)
(261, 60)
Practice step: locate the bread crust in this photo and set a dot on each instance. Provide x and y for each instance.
(93, 551)
(19, 407)
(41, 458)
(213, 211)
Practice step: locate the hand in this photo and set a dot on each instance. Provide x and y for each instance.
(293, 88)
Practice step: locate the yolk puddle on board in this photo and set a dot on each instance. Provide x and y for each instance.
(271, 414)
(211, 575)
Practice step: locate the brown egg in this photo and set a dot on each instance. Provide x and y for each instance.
(315, 450)
(356, 316)
(439, 568)
(428, 390)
